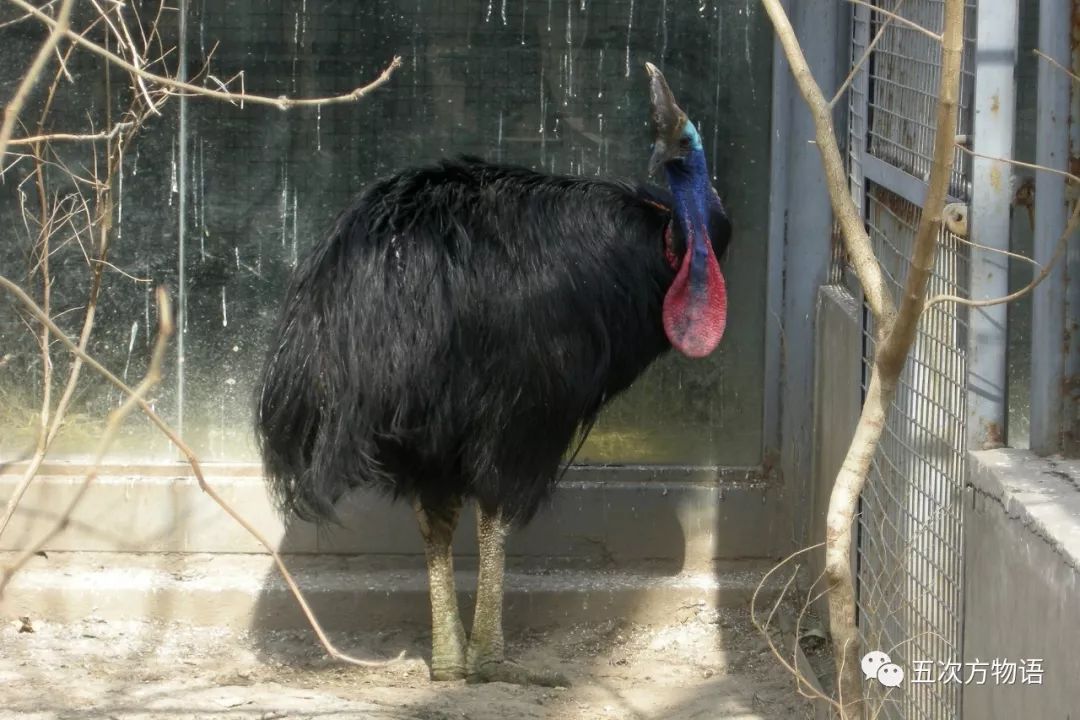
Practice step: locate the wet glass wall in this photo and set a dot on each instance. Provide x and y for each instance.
(1022, 232)
(142, 238)
(228, 197)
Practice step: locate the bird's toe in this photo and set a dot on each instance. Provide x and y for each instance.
(511, 672)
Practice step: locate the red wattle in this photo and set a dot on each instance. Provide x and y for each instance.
(695, 322)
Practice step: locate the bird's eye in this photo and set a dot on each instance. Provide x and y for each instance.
(684, 143)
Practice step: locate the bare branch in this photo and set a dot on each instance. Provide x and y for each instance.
(282, 103)
(893, 352)
(14, 107)
(1059, 66)
(1059, 252)
(25, 16)
(112, 426)
(986, 248)
(900, 19)
(864, 57)
(124, 40)
(71, 137)
(1019, 163)
(196, 468)
(889, 360)
(763, 627)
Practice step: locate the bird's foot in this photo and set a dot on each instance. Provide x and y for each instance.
(448, 664)
(500, 670)
(447, 673)
(448, 660)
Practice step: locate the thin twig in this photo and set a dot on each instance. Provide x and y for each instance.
(50, 419)
(282, 103)
(898, 18)
(125, 40)
(196, 468)
(24, 16)
(892, 353)
(71, 137)
(122, 271)
(1007, 253)
(1059, 252)
(112, 426)
(798, 622)
(1059, 66)
(864, 57)
(102, 219)
(763, 627)
(1020, 163)
(14, 107)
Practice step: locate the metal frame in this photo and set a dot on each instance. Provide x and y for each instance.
(903, 184)
(858, 120)
(988, 220)
(181, 209)
(820, 26)
(1048, 299)
(774, 372)
(780, 123)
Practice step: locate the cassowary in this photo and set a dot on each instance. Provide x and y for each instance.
(462, 325)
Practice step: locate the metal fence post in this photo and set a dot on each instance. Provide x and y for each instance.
(808, 228)
(995, 111)
(1048, 300)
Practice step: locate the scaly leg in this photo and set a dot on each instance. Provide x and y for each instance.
(447, 633)
(486, 661)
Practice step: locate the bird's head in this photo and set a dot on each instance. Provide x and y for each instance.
(695, 306)
(675, 138)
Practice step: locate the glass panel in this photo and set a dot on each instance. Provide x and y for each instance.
(142, 241)
(555, 85)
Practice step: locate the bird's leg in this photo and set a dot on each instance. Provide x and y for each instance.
(486, 661)
(447, 633)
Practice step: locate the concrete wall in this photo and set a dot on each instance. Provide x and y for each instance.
(1022, 582)
(683, 519)
(633, 542)
(837, 404)
(1021, 535)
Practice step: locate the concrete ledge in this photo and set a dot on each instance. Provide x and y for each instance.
(347, 593)
(689, 518)
(1022, 582)
(1043, 494)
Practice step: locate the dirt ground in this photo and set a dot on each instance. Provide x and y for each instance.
(704, 665)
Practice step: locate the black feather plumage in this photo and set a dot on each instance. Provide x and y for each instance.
(456, 330)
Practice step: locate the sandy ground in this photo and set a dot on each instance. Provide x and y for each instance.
(704, 665)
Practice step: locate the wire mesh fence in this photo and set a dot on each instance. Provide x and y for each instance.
(905, 71)
(910, 540)
(910, 534)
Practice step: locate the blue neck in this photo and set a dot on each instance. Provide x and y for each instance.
(689, 183)
(693, 194)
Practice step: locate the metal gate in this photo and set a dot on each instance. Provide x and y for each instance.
(910, 541)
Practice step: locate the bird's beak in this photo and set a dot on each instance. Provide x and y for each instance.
(667, 118)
